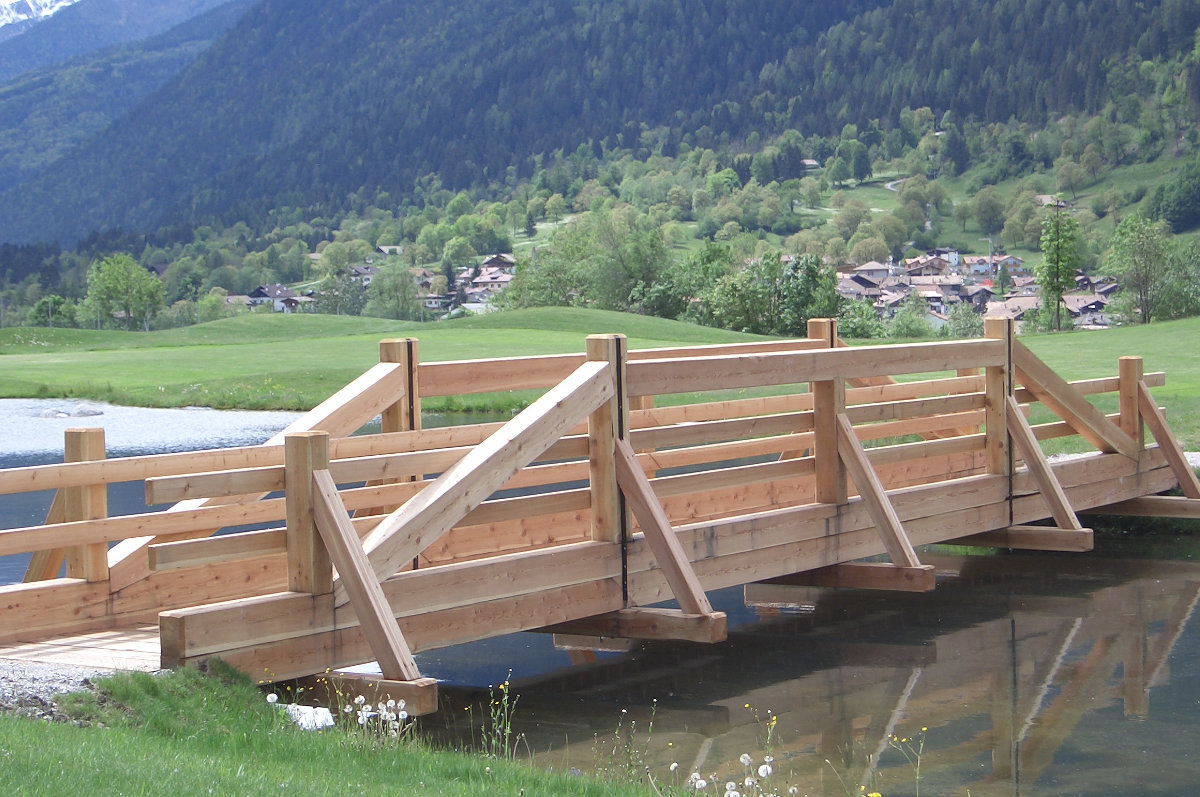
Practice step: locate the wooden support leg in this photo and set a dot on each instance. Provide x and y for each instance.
(336, 690)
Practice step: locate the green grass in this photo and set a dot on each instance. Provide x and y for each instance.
(296, 361)
(291, 361)
(186, 733)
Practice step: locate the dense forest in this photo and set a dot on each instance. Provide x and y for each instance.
(376, 101)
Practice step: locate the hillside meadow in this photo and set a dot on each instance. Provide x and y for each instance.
(295, 361)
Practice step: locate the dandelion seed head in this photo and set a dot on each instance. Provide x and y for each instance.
(701, 784)
(765, 771)
(272, 698)
(358, 701)
(745, 759)
(674, 766)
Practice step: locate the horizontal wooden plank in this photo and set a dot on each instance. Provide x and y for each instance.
(649, 623)
(60, 605)
(1176, 506)
(211, 550)
(701, 432)
(1032, 538)
(32, 538)
(464, 377)
(864, 575)
(656, 377)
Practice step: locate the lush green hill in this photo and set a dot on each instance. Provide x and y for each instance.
(343, 102)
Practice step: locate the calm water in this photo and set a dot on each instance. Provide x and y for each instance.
(1034, 674)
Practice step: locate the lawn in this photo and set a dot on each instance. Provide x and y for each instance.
(295, 361)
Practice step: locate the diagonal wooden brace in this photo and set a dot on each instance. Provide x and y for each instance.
(1069, 404)
(677, 568)
(1027, 445)
(883, 514)
(1167, 442)
(370, 605)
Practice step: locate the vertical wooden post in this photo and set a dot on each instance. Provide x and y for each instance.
(88, 502)
(605, 426)
(1129, 373)
(829, 401)
(405, 414)
(997, 389)
(309, 568)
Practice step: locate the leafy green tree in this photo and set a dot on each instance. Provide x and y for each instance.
(989, 210)
(858, 319)
(120, 288)
(1061, 256)
(1140, 258)
(838, 171)
(911, 319)
(682, 286)
(393, 293)
(51, 310)
(340, 294)
(556, 208)
(963, 322)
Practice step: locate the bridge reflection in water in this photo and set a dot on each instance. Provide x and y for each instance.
(1034, 674)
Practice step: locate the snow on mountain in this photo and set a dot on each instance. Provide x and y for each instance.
(22, 10)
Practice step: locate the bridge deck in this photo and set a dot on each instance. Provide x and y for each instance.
(131, 649)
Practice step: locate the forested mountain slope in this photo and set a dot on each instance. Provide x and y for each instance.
(307, 103)
(46, 112)
(90, 25)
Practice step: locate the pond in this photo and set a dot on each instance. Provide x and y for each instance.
(1033, 674)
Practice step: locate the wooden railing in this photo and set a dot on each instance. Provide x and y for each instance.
(592, 503)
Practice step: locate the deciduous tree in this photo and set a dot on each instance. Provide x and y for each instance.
(120, 288)
(1060, 257)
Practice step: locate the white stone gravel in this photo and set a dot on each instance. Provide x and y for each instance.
(31, 688)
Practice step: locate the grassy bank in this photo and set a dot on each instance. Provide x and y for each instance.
(290, 362)
(185, 733)
(294, 362)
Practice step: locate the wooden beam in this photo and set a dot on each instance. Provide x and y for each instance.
(431, 513)
(829, 402)
(661, 377)
(214, 550)
(308, 562)
(88, 502)
(1167, 442)
(649, 623)
(1068, 404)
(46, 564)
(659, 536)
(864, 575)
(1032, 538)
(997, 389)
(336, 690)
(1153, 506)
(1129, 374)
(1043, 475)
(887, 522)
(607, 424)
(361, 584)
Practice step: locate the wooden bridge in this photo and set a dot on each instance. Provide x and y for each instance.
(587, 508)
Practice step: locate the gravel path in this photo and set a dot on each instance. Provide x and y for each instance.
(30, 688)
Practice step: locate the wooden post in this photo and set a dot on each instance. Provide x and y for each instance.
(997, 389)
(89, 502)
(609, 423)
(405, 414)
(1129, 373)
(829, 401)
(309, 568)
